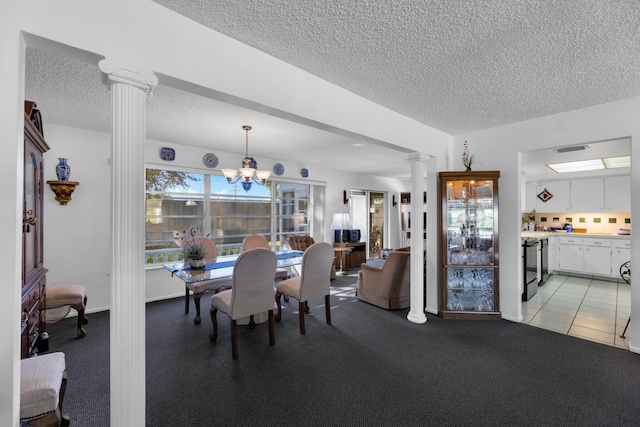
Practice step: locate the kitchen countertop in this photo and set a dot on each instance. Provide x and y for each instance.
(543, 234)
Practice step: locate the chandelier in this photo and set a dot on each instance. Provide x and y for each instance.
(248, 170)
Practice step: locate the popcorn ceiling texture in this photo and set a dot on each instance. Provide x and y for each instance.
(457, 66)
(454, 65)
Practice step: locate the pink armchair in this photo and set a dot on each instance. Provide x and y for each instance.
(388, 286)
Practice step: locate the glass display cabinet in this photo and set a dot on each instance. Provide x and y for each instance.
(469, 245)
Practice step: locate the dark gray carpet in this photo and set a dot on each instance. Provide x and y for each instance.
(372, 367)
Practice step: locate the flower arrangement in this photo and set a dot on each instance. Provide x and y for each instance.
(467, 160)
(375, 229)
(190, 231)
(195, 253)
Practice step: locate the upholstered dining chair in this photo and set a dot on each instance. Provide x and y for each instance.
(314, 281)
(251, 293)
(259, 241)
(199, 288)
(302, 243)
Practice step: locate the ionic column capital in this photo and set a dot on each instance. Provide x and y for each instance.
(121, 72)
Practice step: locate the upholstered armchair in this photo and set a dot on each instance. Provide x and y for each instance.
(388, 286)
(301, 243)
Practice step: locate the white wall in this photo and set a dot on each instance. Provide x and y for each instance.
(498, 148)
(78, 236)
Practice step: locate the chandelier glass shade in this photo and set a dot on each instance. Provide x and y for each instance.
(248, 172)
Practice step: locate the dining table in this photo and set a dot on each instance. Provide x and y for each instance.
(222, 267)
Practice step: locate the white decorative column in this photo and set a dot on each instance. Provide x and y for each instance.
(416, 312)
(130, 87)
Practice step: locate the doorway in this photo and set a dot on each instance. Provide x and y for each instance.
(368, 214)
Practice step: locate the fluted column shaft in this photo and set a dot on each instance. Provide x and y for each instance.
(130, 87)
(416, 312)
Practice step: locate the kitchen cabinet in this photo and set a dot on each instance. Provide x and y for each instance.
(530, 197)
(620, 253)
(552, 253)
(561, 200)
(570, 254)
(587, 195)
(469, 245)
(597, 256)
(617, 194)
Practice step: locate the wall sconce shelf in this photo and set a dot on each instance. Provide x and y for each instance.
(63, 190)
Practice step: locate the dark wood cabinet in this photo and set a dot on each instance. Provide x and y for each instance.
(33, 272)
(353, 258)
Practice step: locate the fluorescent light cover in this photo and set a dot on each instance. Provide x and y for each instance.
(581, 166)
(617, 162)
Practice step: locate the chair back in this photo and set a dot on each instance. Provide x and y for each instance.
(210, 246)
(315, 276)
(252, 290)
(299, 243)
(396, 270)
(253, 241)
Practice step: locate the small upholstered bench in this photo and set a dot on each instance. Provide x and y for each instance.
(43, 381)
(61, 299)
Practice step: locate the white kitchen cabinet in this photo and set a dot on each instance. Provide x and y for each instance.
(597, 256)
(587, 195)
(531, 197)
(620, 253)
(570, 254)
(617, 194)
(552, 254)
(561, 200)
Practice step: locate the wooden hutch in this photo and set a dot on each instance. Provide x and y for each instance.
(33, 271)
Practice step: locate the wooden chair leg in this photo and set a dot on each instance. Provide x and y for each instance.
(234, 339)
(85, 319)
(279, 304)
(327, 308)
(196, 302)
(186, 300)
(272, 334)
(81, 318)
(214, 320)
(252, 322)
(301, 306)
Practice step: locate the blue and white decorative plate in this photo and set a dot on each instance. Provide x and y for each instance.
(210, 160)
(278, 169)
(304, 172)
(167, 154)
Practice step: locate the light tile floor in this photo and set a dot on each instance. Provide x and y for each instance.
(594, 310)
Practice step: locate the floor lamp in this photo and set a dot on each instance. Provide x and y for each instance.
(341, 221)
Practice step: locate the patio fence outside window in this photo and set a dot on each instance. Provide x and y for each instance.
(175, 200)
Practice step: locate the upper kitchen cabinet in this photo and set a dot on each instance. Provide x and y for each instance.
(617, 194)
(561, 196)
(587, 195)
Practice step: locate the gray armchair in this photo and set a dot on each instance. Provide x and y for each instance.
(388, 286)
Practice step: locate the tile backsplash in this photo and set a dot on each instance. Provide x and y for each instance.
(593, 222)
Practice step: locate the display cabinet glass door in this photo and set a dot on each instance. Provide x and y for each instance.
(469, 203)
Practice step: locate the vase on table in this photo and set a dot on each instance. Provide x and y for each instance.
(63, 170)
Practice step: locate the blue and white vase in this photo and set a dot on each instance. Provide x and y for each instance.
(63, 170)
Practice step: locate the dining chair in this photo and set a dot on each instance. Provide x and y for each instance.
(313, 282)
(199, 288)
(259, 241)
(251, 293)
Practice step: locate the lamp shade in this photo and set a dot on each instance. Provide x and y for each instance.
(341, 221)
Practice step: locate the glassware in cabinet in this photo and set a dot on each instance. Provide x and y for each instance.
(469, 244)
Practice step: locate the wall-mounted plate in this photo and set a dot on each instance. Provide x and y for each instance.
(210, 160)
(167, 153)
(278, 169)
(304, 172)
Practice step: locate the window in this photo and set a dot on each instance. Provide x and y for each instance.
(175, 200)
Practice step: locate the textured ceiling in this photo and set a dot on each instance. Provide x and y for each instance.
(453, 65)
